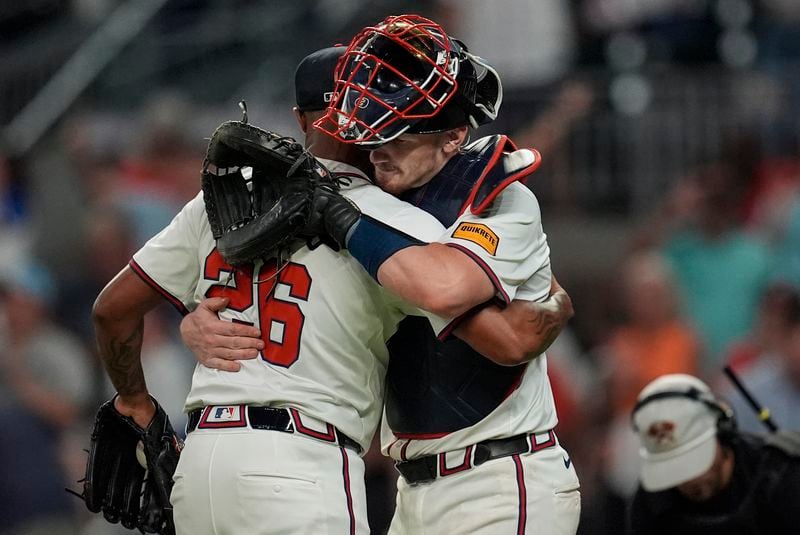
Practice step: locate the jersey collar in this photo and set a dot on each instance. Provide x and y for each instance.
(341, 168)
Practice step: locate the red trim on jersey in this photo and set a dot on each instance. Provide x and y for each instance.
(453, 325)
(348, 494)
(549, 443)
(174, 301)
(523, 495)
(448, 330)
(329, 436)
(485, 267)
(403, 449)
(450, 327)
(465, 465)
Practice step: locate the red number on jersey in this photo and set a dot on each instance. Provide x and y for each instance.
(239, 289)
(281, 322)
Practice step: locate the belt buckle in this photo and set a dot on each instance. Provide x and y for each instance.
(482, 453)
(423, 470)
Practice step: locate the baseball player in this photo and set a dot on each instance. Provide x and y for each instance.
(455, 429)
(319, 381)
(454, 418)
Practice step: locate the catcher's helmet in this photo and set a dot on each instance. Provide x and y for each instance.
(407, 75)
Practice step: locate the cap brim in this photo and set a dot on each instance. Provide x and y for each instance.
(660, 473)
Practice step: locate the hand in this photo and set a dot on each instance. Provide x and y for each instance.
(332, 218)
(217, 343)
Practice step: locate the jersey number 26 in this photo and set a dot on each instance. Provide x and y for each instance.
(281, 321)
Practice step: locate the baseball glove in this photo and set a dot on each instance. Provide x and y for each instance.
(262, 192)
(117, 481)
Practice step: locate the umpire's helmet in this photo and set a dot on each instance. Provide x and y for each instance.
(407, 75)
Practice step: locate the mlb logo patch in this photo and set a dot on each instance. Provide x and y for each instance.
(217, 416)
(224, 414)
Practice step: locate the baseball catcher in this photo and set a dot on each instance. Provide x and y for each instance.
(129, 470)
(263, 191)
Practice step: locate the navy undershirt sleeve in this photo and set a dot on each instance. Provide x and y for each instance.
(372, 242)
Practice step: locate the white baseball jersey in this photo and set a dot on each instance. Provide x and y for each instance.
(508, 242)
(323, 319)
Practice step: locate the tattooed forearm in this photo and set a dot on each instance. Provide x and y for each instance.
(549, 320)
(122, 359)
(547, 326)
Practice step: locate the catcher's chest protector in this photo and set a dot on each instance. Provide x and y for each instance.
(473, 178)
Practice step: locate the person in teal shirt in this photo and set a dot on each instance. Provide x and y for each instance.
(720, 268)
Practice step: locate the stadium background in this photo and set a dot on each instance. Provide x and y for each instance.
(661, 122)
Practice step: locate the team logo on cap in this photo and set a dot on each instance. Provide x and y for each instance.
(662, 432)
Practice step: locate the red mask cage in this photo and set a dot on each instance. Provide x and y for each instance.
(391, 76)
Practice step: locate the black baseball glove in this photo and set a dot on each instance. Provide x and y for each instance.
(263, 191)
(117, 483)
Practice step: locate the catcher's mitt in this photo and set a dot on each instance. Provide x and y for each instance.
(118, 484)
(260, 190)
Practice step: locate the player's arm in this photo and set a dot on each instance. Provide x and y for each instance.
(436, 278)
(520, 332)
(452, 276)
(118, 317)
(514, 335)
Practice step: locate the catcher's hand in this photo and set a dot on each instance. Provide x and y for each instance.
(118, 484)
(263, 191)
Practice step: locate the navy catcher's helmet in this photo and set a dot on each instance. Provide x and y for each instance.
(407, 75)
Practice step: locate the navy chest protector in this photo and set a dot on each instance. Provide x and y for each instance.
(436, 387)
(472, 178)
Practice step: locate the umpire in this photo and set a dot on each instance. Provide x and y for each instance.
(699, 474)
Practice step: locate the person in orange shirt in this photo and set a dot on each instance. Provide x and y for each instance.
(654, 339)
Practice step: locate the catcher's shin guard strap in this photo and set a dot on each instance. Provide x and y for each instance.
(372, 243)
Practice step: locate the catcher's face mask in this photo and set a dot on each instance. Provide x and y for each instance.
(391, 76)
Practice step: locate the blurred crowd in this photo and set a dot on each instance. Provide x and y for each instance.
(707, 274)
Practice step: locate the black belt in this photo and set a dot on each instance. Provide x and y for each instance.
(430, 467)
(270, 419)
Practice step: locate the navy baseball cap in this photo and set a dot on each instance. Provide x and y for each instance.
(314, 78)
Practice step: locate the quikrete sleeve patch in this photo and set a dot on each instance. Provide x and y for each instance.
(479, 234)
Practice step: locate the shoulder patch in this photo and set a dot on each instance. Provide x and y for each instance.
(479, 234)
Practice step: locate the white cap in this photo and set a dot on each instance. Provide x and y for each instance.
(677, 433)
